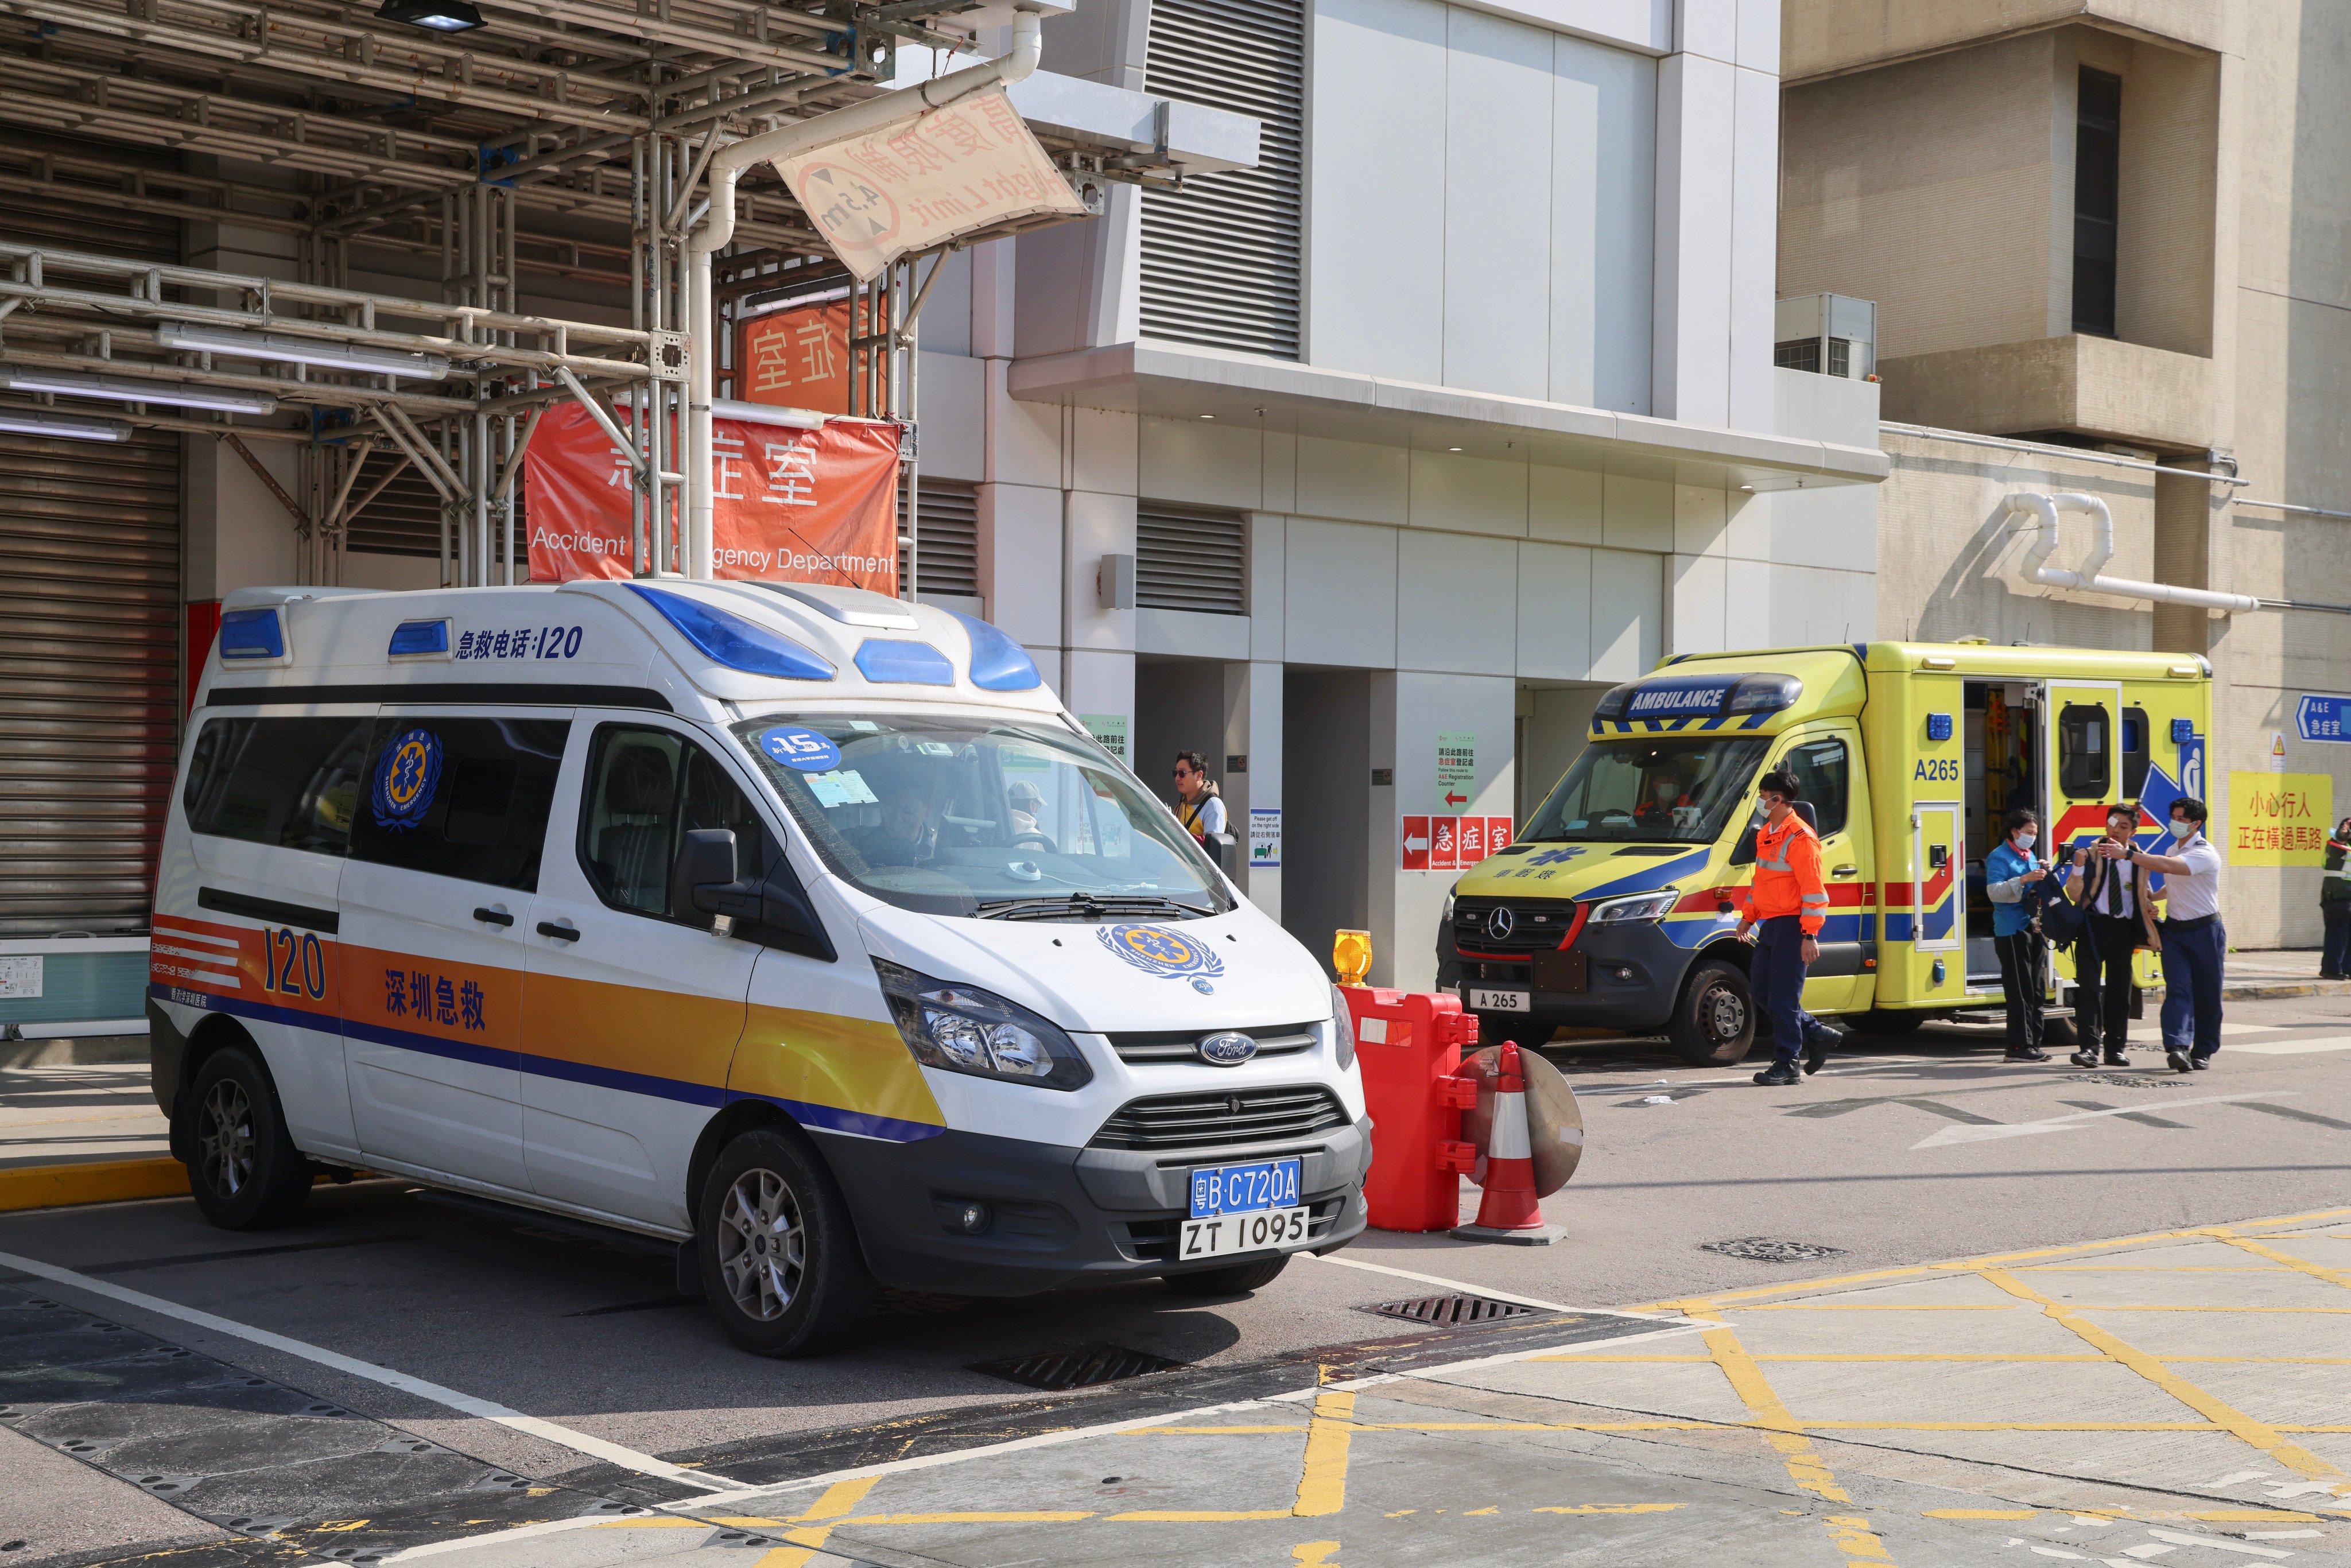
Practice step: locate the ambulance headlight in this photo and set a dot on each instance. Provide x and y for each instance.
(1639, 909)
(1343, 1024)
(962, 1029)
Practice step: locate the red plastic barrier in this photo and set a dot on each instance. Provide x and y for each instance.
(1410, 1045)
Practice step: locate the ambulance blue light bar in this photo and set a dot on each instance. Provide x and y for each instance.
(1699, 697)
(904, 663)
(738, 644)
(997, 663)
(252, 634)
(412, 638)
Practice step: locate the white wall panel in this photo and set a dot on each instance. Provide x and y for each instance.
(1566, 505)
(1555, 612)
(1097, 525)
(1627, 621)
(1203, 464)
(1020, 560)
(1354, 479)
(1375, 202)
(1694, 179)
(1455, 609)
(1604, 200)
(1498, 147)
(1696, 588)
(1339, 599)
(1102, 450)
(1638, 514)
(954, 394)
(1472, 494)
(1268, 545)
(1754, 247)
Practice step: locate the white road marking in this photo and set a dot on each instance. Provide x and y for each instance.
(2236, 1478)
(2213, 1544)
(2283, 1534)
(1973, 1133)
(449, 1399)
(2288, 1047)
(1492, 1294)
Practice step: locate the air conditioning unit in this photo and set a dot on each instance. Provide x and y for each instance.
(1828, 334)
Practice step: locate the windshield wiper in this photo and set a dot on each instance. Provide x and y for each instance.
(1088, 906)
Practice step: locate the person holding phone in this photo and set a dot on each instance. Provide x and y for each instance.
(2013, 875)
(2118, 912)
(2334, 906)
(2195, 943)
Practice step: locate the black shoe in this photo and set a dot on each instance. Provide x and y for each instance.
(2177, 1062)
(2029, 1053)
(2200, 1063)
(2328, 975)
(1816, 1055)
(2117, 1058)
(2085, 1057)
(1779, 1075)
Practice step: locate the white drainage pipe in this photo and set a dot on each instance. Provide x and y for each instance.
(2090, 576)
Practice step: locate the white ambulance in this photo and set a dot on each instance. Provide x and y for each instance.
(797, 925)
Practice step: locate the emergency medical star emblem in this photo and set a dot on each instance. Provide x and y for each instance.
(1157, 951)
(404, 781)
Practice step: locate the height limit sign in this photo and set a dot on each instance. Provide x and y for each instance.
(1457, 768)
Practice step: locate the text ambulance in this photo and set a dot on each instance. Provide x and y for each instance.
(799, 924)
(1617, 906)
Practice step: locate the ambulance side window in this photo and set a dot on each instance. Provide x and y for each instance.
(1823, 773)
(465, 797)
(2085, 760)
(290, 783)
(2136, 752)
(645, 787)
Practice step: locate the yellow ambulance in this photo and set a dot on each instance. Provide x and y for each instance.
(1616, 907)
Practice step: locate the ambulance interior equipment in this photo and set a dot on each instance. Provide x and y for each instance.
(799, 926)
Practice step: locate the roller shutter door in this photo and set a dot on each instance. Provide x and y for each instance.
(1221, 257)
(89, 638)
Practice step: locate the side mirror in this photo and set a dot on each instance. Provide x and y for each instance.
(1744, 852)
(785, 919)
(703, 874)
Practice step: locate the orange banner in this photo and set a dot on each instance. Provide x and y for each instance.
(793, 505)
(797, 358)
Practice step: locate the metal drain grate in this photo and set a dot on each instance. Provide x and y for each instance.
(2113, 1081)
(1082, 1368)
(1763, 1249)
(1449, 1310)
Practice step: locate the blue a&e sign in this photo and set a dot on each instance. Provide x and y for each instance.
(2323, 719)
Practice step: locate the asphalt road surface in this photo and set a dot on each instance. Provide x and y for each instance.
(397, 1377)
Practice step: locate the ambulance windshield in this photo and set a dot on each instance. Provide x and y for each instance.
(1652, 790)
(999, 819)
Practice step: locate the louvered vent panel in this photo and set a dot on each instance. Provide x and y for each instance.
(1186, 558)
(948, 520)
(1221, 257)
(404, 517)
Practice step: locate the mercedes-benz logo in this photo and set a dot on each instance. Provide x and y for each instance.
(1500, 923)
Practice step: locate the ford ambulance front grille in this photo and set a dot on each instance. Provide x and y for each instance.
(1535, 925)
(1182, 1045)
(1218, 1120)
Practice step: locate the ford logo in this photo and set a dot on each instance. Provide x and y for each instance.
(1500, 923)
(1226, 1049)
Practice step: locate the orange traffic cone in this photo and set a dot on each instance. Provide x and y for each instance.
(1510, 1210)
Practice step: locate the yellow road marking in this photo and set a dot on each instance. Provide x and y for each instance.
(2260, 1435)
(1188, 1516)
(2136, 1268)
(838, 1500)
(1989, 1261)
(1782, 1430)
(1322, 1485)
(2299, 1265)
(1314, 1553)
(1617, 1507)
(1980, 1512)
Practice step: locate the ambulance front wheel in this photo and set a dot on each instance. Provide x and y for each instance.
(244, 1171)
(1713, 1022)
(781, 1263)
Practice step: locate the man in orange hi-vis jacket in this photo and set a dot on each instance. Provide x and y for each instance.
(1785, 910)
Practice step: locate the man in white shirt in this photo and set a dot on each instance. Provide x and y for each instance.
(2194, 941)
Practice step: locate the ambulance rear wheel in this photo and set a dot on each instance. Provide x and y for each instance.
(781, 1269)
(244, 1172)
(1713, 1022)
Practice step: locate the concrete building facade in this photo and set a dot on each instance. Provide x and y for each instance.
(2114, 227)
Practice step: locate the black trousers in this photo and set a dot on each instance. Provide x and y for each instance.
(2020, 980)
(2102, 969)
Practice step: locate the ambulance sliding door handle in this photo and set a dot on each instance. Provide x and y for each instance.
(1846, 870)
(493, 917)
(561, 933)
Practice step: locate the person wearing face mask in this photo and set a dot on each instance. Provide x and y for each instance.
(2119, 910)
(2334, 906)
(2014, 879)
(2195, 943)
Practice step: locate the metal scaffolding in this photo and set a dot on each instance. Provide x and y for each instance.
(458, 222)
